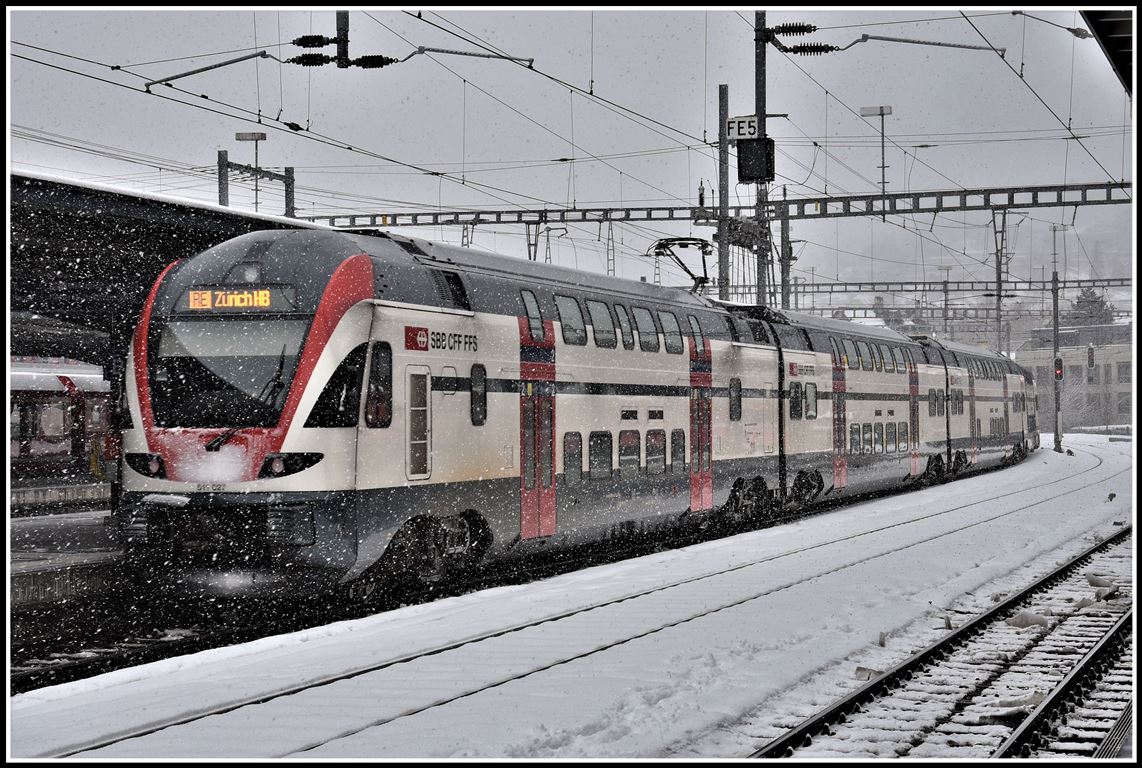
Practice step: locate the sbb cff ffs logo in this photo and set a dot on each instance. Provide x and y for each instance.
(421, 339)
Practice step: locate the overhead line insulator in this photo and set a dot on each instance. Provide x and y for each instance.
(793, 29)
(812, 49)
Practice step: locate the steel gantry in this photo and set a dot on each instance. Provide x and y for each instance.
(1108, 193)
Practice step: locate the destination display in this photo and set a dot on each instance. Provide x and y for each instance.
(269, 298)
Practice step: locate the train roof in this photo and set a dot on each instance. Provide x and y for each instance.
(832, 325)
(49, 375)
(475, 260)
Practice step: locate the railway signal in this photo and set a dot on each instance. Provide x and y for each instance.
(1058, 369)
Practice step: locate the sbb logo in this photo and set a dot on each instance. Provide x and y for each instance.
(416, 338)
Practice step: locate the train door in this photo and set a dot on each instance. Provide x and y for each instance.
(701, 383)
(701, 473)
(840, 457)
(537, 459)
(418, 432)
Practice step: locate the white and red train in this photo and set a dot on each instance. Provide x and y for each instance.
(316, 409)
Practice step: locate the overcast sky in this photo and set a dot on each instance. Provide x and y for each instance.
(501, 132)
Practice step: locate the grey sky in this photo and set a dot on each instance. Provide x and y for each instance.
(496, 123)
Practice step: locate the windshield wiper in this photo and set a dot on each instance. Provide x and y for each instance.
(268, 395)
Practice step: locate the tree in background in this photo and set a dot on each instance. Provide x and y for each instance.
(1090, 308)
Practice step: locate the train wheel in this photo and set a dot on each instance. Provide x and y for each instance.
(416, 553)
(806, 487)
(759, 497)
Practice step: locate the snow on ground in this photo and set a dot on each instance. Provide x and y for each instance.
(810, 601)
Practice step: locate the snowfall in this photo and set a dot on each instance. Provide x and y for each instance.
(674, 661)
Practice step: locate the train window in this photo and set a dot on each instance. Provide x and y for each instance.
(866, 437)
(733, 328)
(931, 402)
(808, 340)
(890, 437)
(572, 457)
(851, 355)
(877, 362)
(479, 395)
(655, 452)
(629, 453)
(527, 443)
(534, 317)
(571, 318)
(546, 443)
(339, 401)
(601, 457)
(418, 457)
(602, 325)
(671, 332)
(758, 332)
(624, 326)
(810, 401)
(735, 399)
(795, 401)
(902, 436)
(790, 337)
(837, 354)
(940, 402)
(878, 438)
(911, 360)
(897, 359)
(854, 438)
(647, 332)
(678, 451)
(379, 398)
(952, 357)
(865, 355)
(699, 339)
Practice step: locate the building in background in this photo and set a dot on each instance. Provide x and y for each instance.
(1098, 373)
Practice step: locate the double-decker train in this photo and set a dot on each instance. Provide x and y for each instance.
(310, 410)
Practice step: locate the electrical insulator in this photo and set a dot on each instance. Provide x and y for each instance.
(793, 29)
(812, 49)
(313, 41)
(373, 62)
(1058, 369)
(1090, 356)
(701, 194)
(311, 59)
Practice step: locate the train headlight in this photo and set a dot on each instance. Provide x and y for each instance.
(281, 464)
(149, 464)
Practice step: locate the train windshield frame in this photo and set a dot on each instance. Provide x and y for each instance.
(223, 371)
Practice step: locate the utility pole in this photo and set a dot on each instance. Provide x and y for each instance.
(882, 111)
(945, 270)
(759, 37)
(1000, 247)
(786, 250)
(723, 193)
(1055, 325)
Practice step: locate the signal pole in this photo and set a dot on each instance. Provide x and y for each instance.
(1055, 324)
(759, 39)
(723, 193)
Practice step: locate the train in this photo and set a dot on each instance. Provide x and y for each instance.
(61, 445)
(317, 411)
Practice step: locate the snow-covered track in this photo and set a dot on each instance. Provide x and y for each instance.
(963, 695)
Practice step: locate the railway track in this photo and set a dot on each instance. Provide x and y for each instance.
(552, 640)
(56, 656)
(1047, 672)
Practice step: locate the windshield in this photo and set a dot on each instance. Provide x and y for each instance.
(224, 372)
